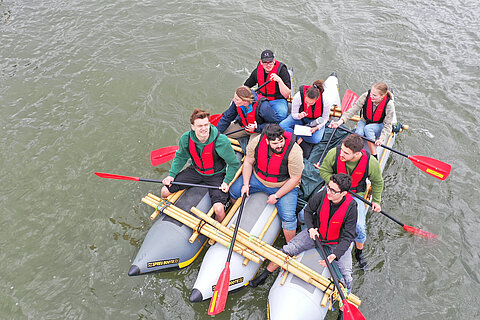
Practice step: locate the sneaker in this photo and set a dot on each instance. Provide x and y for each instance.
(260, 279)
(362, 263)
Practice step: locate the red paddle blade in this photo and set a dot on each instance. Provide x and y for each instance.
(116, 176)
(348, 100)
(350, 312)
(162, 155)
(219, 298)
(214, 119)
(433, 167)
(419, 232)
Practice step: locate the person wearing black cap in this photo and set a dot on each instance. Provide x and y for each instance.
(276, 91)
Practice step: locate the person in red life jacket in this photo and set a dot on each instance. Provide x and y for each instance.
(276, 162)
(213, 162)
(377, 113)
(276, 91)
(350, 158)
(250, 111)
(333, 213)
(308, 110)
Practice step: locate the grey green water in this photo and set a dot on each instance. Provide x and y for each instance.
(97, 85)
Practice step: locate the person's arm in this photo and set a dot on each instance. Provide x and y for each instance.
(326, 169)
(283, 81)
(252, 79)
(321, 121)
(296, 103)
(349, 113)
(311, 208)
(387, 121)
(348, 231)
(375, 177)
(247, 170)
(181, 156)
(227, 117)
(225, 150)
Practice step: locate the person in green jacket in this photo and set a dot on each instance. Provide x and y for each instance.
(350, 158)
(213, 162)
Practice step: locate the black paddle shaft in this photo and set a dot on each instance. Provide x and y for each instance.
(181, 183)
(237, 224)
(370, 204)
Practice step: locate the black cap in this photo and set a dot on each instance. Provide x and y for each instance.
(267, 56)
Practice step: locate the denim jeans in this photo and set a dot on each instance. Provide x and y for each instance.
(289, 124)
(361, 221)
(280, 106)
(371, 131)
(286, 205)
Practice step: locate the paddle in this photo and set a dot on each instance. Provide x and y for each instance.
(317, 165)
(348, 100)
(412, 230)
(433, 167)
(165, 154)
(219, 298)
(215, 118)
(116, 176)
(350, 312)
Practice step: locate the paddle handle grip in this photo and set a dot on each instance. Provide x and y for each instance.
(370, 204)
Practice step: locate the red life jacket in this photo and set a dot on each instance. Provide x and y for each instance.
(209, 162)
(359, 174)
(273, 168)
(253, 115)
(330, 227)
(270, 89)
(315, 111)
(379, 114)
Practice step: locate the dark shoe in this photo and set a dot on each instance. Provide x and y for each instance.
(362, 263)
(340, 315)
(375, 156)
(260, 279)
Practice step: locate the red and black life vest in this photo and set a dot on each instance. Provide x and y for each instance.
(330, 227)
(270, 89)
(209, 162)
(253, 115)
(379, 114)
(360, 172)
(273, 168)
(315, 111)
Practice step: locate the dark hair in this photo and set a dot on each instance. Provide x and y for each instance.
(199, 114)
(353, 142)
(273, 131)
(344, 181)
(314, 91)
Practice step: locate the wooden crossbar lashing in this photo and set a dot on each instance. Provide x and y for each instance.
(265, 229)
(278, 257)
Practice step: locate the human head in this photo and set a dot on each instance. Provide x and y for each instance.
(275, 137)
(243, 96)
(351, 147)
(267, 59)
(338, 187)
(200, 123)
(312, 94)
(378, 91)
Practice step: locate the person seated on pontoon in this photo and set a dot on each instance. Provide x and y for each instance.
(274, 165)
(250, 111)
(278, 89)
(213, 162)
(377, 113)
(308, 110)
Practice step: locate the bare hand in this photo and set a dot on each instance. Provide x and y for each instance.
(313, 232)
(335, 124)
(224, 187)
(330, 259)
(302, 115)
(251, 127)
(379, 142)
(275, 77)
(376, 207)
(245, 190)
(313, 129)
(168, 181)
(271, 199)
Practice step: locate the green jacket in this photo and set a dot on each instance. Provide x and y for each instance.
(374, 173)
(222, 147)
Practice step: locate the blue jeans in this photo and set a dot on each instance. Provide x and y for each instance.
(361, 221)
(371, 131)
(289, 124)
(286, 205)
(302, 242)
(280, 106)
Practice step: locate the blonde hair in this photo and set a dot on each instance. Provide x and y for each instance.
(383, 88)
(244, 93)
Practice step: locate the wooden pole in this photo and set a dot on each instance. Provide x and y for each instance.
(265, 229)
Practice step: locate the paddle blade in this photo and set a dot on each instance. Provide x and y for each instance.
(433, 167)
(219, 298)
(348, 100)
(419, 232)
(350, 312)
(116, 176)
(215, 118)
(162, 155)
